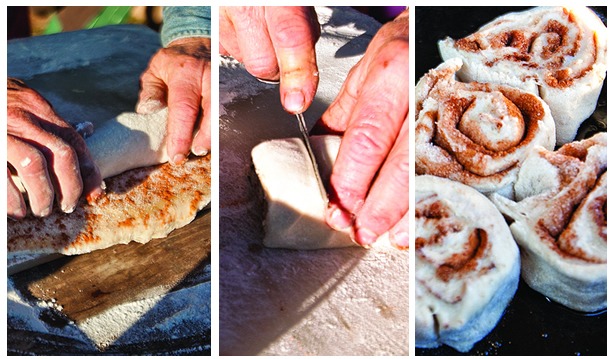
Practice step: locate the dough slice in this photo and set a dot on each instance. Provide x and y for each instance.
(476, 133)
(295, 208)
(558, 53)
(467, 264)
(139, 205)
(560, 222)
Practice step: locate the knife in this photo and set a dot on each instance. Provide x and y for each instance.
(312, 157)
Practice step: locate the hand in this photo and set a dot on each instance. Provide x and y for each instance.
(275, 43)
(179, 76)
(370, 178)
(47, 155)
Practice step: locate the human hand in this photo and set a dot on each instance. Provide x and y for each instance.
(275, 43)
(47, 154)
(370, 178)
(179, 76)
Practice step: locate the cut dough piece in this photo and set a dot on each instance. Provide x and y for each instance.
(558, 53)
(560, 222)
(467, 264)
(141, 204)
(130, 140)
(295, 213)
(477, 133)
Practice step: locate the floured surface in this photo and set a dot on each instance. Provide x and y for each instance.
(94, 76)
(348, 301)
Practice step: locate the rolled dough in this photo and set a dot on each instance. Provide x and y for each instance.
(129, 141)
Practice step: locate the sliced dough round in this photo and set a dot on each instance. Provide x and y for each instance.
(467, 264)
(560, 222)
(476, 133)
(558, 53)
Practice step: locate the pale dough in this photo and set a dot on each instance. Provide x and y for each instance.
(295, 213)
(129, 141)
(467, 264)
(525, 50)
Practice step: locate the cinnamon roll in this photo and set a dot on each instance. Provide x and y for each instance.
(476, 133)
(556, 52)
(467, 264)
(560, 222)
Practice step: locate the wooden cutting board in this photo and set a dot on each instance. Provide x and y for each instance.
(87, 284)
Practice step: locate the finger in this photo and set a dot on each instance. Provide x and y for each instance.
(202, 140)
(184, 99)
(16, 206)
(294, 32)
(152, 97)
(254, 42)
(388, 197)
(90, 179)
(31, 167)
(66, 148)
(399, 234)
(373, 128)
(228, 39)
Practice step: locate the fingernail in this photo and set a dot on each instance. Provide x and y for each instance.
(96, 193)
(339, 219)
(18, 213)
(294, 101)
(200, 151)
(45, 212)
(149, 106)
(178, 159)
(68, 208)
(400, 240)
(365, 237)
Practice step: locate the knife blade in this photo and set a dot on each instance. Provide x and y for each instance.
(312, 157)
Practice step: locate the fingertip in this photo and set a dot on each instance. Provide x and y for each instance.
(399, 240)
(294, 102)
(338, 219)
(149, 106)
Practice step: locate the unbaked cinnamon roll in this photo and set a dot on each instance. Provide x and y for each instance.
(556, 52)
(467, 264)
(476, 133)
(560, 222)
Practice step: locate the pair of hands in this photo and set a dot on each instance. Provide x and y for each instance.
(274, 44)
(370, 179)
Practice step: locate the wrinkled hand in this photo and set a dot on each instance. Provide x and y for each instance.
(47, 154)
(179, 76)
(370, 178)
(275, 43)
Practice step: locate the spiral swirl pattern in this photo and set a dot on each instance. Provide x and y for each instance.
(557, 53)
(476, 133)
(560, 222)
(467, 264)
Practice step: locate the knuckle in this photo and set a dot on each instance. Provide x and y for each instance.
(261, 65)
(368, 143)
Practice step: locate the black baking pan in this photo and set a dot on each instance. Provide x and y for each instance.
(531, 324)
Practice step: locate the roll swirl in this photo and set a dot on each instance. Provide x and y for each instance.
(558, 53)
(560, 222)
(476, 133)
(467, 264)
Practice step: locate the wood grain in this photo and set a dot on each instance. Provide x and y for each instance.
(88, 284)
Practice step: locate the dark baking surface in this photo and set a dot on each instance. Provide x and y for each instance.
(531, 325)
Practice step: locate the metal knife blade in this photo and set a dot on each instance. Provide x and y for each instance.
(312, 157)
